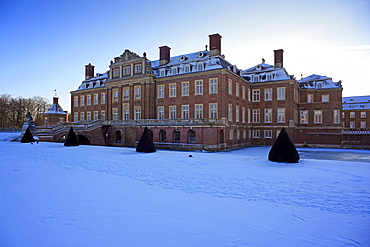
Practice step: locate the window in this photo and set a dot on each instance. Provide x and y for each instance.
(138, 68)
(172, 90)
(172, 112)
(115, 114)
(103, 98)
(363, 114)
(187, 68)
(336, 116)
(89, 99)
(198, 111)
(160, 112)
(256, 78)
(102, 115)
(249, 115)
(200, 66)
(268, 94)
(325, 98)
(268, 115)
(213, 85)
(243, 114)
(318, 116)
(76, 100)
(304, 117)
(243, 92)
(115, 73)
(174, 70)
(115, 95)
(162, 135)
(162, 72)
(268, 133)
(126, 113)
(82, 98)
(319, 84)
(231, 134)
(281, 93)
(213, 110)
(230, 112)
(137, 92)
(198, 87)
(256, 116)
(281, 115)
(185, 111)
(137, 112)
(237, 113)
(192, 137)
(343, 115)
(126, 93)
(185, 88)
(96, 115)
(269, 77)
(230, 87)
(237, 89)
(82, 116)
(352, 114)
(363, 125)
(309, 98)
(255, 134)
(76, 117)
(249, 94)
(160, 91)
(126, 71)
(256, 95)
(96, 99)
(352, 125)
(176, 136)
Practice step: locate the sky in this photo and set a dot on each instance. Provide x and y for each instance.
(45, 45)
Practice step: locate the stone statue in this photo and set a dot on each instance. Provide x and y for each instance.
(29, 124)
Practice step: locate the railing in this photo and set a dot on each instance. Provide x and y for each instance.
(10, 129)
(356, 131)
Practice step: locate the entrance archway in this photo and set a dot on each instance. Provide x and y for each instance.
(83, 140)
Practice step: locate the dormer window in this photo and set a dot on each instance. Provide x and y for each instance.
(256, 78)
(319, 84)
(174, 70)
(258, 67)
(187, 68)
(200, 66)
(269, 77)
(162, 72)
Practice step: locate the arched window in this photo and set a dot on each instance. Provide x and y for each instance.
(118, 137)
(192, 137)
(176, 136)
(222, 136)
(162, 136)
(151, 134)
(200, 66)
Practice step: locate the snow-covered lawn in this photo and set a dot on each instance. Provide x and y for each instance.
(51, 195)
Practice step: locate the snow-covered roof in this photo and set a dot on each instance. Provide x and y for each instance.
(356, 103)
(94, 82)
(318, 82)
(55, 109)
(191, 60)
(265, 72)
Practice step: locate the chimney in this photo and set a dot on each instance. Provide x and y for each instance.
(89, 71)
(215, 44)
(278, 54)
(164, 55)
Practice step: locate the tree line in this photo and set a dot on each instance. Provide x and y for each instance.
(13, 110)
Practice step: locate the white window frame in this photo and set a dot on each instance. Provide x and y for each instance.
(309, 98)
(255, 134)
(268, 134)
(255, 115)
(268, 115)
(303, 117)
(172, 90)
(185, 111)
(268, 94)
(185, 88)
(318, 116)
(137, 92)
(237, 113)
(230, 86)
(198, 111)
(237, 89)
(256, 95)
(281, 93)
(172, 112)
(230, 112)
(82, 100)
(280, 115)
(363, 114)
(352, 114)
(325, 98)
(103, 95)
(115, 114)
(102, 114)
(160, 112)
(96, 98)
(213, 110)
(137, 113)
(213, 85)
(199, 87)
(75, 117)
(336, 117)
(363, 125)
(76, 100)
(161, 91)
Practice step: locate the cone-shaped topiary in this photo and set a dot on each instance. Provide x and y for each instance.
(283, 149)
(71, 139)
(27, 137)
(146, 144)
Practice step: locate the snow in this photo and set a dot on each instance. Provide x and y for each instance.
(53, 195)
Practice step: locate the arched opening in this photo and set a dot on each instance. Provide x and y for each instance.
(118, 137)
(83, 140)
(151, 134)
(176, 136)
(222, 140)
(192, 137)
(162, 135)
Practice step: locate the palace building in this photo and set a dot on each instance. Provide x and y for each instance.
(200, 101)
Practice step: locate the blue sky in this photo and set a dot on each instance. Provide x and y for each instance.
(45, 45)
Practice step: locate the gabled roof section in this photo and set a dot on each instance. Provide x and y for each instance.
(191, 60)
(94, 82)
(265, 72)
(318, 82)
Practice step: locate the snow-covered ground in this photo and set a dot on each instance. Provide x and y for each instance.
(51, 195)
